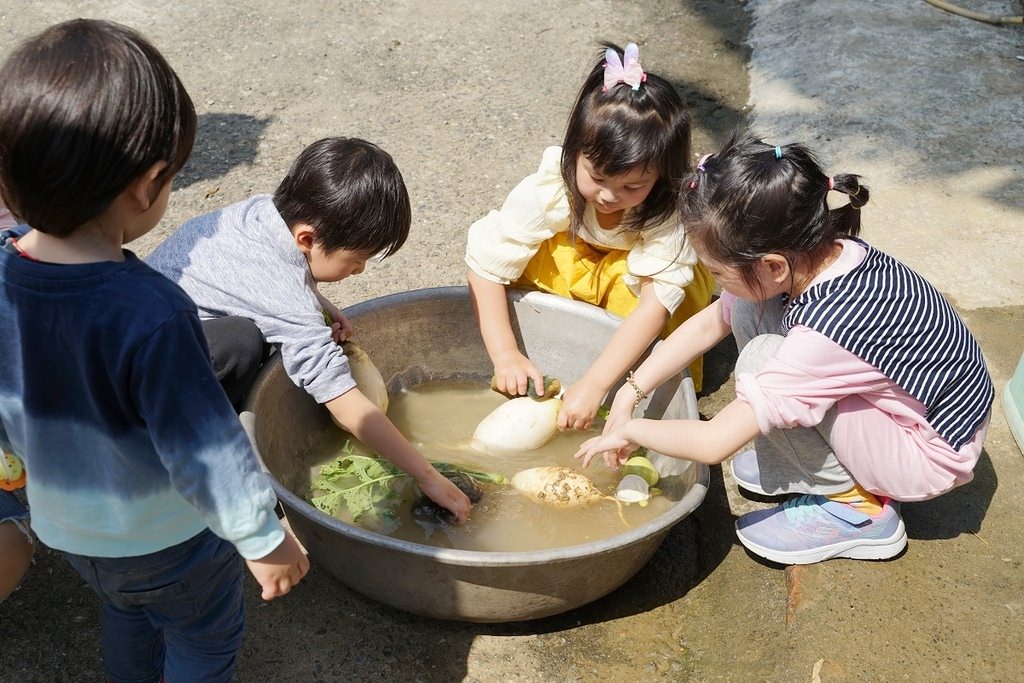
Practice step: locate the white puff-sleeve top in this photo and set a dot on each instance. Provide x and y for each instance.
(501, 244)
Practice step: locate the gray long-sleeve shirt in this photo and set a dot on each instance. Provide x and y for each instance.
(242, 261)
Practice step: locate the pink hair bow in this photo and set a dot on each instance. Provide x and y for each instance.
(627, 70)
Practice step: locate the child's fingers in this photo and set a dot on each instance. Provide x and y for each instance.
(609, 460)
(292, 576)
(340, 333)
(587, 451)
(581, 424)
(460, 508)
(511, 381)
(303, 568)
(538, 378)
(448, 496)
(272, 591)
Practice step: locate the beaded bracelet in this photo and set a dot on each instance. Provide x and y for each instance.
(640, 393)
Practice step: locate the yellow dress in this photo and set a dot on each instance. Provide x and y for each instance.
(528, 244)
(581, 271)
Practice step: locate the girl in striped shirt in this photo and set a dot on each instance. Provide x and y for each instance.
(857, 381)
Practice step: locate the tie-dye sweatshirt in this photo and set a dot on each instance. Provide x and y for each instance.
(107, 393)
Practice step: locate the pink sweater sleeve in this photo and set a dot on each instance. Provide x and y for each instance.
(807, 376)
(727, 301)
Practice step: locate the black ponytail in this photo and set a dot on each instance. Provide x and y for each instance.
(752, 199)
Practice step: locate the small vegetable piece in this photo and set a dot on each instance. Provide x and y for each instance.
(12, 472)
(364, 485)
(521, 424)
(368, 487)
(633, 489)
(643, 468)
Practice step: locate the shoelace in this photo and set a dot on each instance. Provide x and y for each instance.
(806, 507)
(800, 508)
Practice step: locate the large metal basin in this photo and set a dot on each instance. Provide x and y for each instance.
(434, 331)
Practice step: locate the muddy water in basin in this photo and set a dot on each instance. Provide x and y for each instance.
(439, 417)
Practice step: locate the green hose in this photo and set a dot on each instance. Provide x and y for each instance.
(987, 18)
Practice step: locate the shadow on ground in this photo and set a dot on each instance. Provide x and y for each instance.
(223, 142)
(960, 511)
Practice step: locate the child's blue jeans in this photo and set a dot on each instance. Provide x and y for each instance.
(176, 615)
(11, 509)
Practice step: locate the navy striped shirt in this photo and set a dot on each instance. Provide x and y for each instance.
(892, 318)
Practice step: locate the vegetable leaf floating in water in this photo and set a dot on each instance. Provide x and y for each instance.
(369, 487)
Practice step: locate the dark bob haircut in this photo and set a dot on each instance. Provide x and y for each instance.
(752, 199)
(86, 107)
(622, 128)
(351, 193)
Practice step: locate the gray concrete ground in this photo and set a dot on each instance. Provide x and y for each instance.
(925, 104)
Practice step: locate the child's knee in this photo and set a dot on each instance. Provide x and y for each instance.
(252, 346)
(757, 351)
(753, 318)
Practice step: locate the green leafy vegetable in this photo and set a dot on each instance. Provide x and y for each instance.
(486, 477)
(369, 487)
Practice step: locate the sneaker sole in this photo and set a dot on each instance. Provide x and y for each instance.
(865, 549)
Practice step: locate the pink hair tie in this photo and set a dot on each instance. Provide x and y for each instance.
(627, 70)
(700, 169)
(831, 183)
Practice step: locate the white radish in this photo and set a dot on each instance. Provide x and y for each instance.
(561, 487)
(367, 376)
(521, 424)
(557, 486)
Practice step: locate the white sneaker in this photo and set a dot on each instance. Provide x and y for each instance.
(810, 529)
(745, 472)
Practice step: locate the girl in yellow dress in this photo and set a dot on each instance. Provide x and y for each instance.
(597, 223)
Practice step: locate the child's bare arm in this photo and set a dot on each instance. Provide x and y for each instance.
(358, 415)
(283, 568)
(629, 341)
(708, 442)
(695, 336)
(490, 305)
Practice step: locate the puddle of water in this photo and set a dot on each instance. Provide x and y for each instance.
(438, 417)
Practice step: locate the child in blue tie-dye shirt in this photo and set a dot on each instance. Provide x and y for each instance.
(138, 468)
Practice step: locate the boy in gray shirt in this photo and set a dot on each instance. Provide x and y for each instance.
(253, 268)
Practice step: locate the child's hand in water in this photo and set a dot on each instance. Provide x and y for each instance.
(579, 406)
(512, 372)
(442, 491)
(614, 448)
